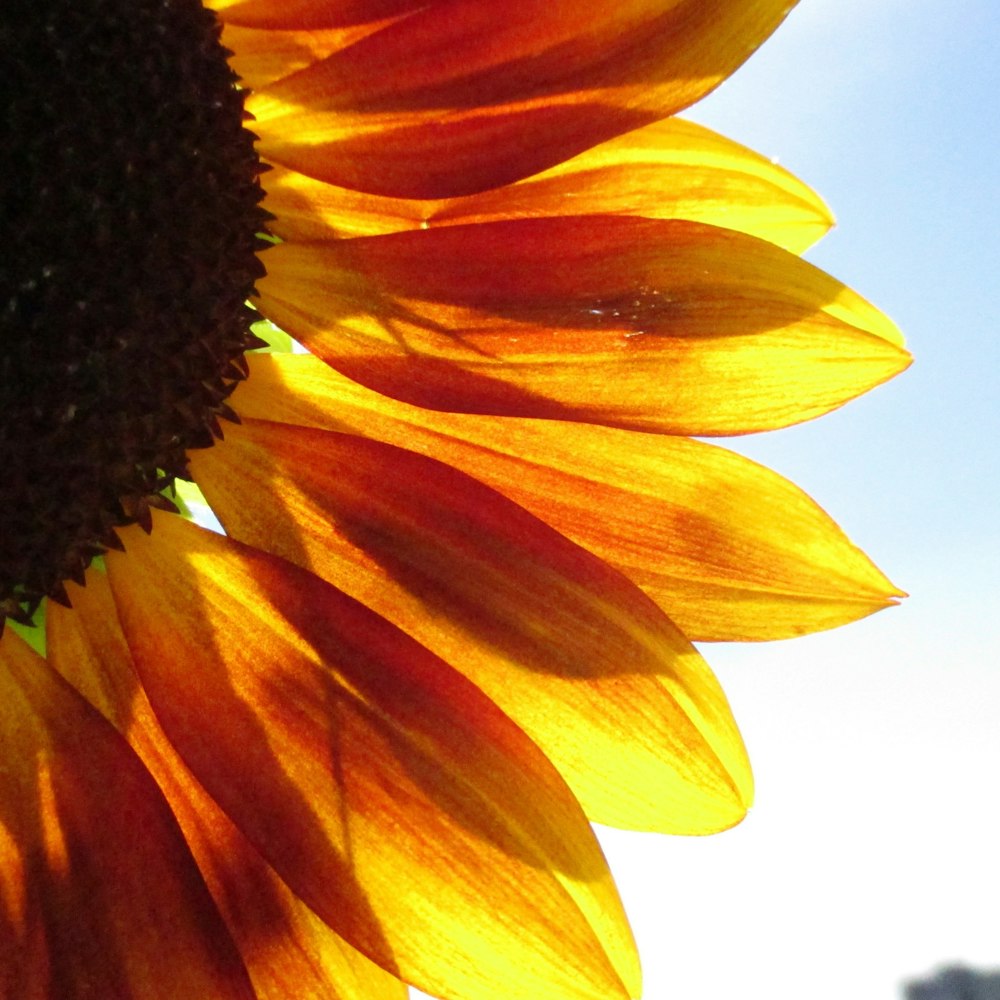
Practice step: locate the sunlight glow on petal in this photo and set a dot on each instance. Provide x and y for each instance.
(75, 880)
(670, 169)
(729, 549)
(458, 116)
(650, 324)
(330, 727)
(574, 653)
(286, 948)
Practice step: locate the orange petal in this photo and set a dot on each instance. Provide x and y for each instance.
(387, 791)
(287, 950)
(729, 549)
(574, 653)
(99, 894)
(460, 97)
(260, 57)
(306, 15)
(670, 169)
(644, 323)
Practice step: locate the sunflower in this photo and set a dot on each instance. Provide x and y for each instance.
(356, 739)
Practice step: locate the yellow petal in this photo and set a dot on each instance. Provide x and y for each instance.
(574, 653)
(460, 97)
(388, 792)
(310, 15)
(287, 949)
(260, 57)
(650, 324)
(730, 550)
(86, 843)
(670, 169)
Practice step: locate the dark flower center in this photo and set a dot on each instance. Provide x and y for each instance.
(129, 199)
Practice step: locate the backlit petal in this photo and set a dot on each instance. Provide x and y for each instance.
(388, 792)
(574, 653)
(670, 169)
(729, 549)
(304, 15)
(99, 894)
(424, 108)
(643, 323)
(260, 57)
(287, 949)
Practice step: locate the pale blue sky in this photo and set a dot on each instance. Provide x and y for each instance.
(872, 854)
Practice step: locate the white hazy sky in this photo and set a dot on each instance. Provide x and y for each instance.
(871, 856)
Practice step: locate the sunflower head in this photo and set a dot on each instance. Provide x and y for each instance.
(131, 211)
(467, 538)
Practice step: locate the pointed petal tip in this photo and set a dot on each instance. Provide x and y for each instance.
(687, 328)
(690, 522)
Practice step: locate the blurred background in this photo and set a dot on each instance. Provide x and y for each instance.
(871, 856)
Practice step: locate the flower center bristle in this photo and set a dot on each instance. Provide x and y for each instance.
(130, 198)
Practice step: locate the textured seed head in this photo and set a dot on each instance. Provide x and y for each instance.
(129, 198)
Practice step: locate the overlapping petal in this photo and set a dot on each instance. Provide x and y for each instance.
(260, 57)
(579, 657)
(388, 792)
(458, 115)
(286, 948)
(643, 323)
(729, 549)
(99, 894)
(310, 15)
(672, 169)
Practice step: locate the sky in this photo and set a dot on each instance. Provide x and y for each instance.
(870, 857)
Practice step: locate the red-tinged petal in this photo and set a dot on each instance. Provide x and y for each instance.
(671, 169)
(574, 653)
(260, 57)
(461, 96)
(649, 324)
(287, 949)
(305, 15)
(730, 550)
(387, 791)
(99, 894)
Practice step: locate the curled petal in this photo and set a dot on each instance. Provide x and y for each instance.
(730, 550)
(574, 653)
(425, 109)
(648, 324)
(670, 169)
(287, 949)
(99, 894)
(387, 791)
